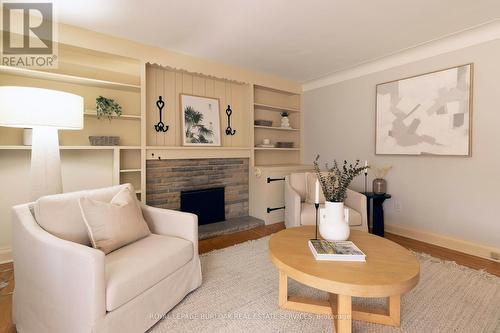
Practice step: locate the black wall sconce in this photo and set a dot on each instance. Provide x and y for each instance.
(229, 130)
(160, 127)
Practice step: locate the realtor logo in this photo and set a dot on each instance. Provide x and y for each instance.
(28, 30)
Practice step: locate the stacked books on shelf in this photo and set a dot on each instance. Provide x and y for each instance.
(335, 251)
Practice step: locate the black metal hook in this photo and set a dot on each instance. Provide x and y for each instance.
(229, 130)
(160, 127)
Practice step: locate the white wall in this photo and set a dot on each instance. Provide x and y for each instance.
(80, 170)
(454, 197)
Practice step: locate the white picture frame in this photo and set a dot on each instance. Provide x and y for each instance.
(200, 118)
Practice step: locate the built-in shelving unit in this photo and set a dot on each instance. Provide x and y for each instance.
(91, 74)
(268, 105)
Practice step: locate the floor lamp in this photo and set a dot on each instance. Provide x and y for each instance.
(45, 111)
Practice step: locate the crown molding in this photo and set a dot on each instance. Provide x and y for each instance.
(466, 38)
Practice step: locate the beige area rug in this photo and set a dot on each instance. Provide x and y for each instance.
(240, 292)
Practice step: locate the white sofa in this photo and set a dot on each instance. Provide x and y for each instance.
(64, 285)
(298, 212)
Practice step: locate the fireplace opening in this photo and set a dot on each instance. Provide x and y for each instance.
(208, 204)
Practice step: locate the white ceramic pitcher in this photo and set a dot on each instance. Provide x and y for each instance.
(334, 221)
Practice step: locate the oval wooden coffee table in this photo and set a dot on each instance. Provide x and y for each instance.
(389, 271)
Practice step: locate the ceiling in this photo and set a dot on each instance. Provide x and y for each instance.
(300, 40)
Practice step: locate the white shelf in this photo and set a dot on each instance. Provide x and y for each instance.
(21, 147)
(67, 78)
(277, 149)
(130, 170)
(196, 148)
(286, 166)
(276, 128)
(92, 113)
(274, 108)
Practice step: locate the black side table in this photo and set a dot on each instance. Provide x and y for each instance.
(378, 211)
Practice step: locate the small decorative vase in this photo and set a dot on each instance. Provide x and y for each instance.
(285, 122)
(334, 222)
(379, 186)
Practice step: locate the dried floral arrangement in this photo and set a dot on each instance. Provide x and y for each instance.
(335, 180)
(381, 172)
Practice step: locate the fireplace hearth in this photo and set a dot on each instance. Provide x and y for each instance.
(168, 180)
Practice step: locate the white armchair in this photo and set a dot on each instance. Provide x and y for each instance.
(299, 212)
(64, 285)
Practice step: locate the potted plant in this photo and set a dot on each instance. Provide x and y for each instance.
(334, 222)
(107, 107)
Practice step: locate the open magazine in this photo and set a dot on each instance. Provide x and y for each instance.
(335, 251)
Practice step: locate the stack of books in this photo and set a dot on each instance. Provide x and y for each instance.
(335, 251)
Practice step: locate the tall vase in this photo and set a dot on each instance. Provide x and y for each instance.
(334, 222)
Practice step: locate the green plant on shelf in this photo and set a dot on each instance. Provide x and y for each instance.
(107, 108)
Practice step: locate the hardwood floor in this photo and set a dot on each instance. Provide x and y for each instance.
(6, 299)
(220, 242)
(223, 241)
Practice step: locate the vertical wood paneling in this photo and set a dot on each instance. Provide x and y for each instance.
(187, 83)
(178, 113)
(220, 93)
(171, 84)
(150, 105)
(198, 85)
(169, 114)
(209, 87)
(237, 122)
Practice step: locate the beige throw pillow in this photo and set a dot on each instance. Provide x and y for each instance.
(311, 189)
(114, 224)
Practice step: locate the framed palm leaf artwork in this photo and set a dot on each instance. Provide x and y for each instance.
(200, 121)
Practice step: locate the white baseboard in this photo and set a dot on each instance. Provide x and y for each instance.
(5, 255)
(443, 241)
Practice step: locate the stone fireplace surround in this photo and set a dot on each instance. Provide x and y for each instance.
(166, 178)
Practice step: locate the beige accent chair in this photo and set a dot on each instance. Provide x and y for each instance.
(64, 285)
(299, 212)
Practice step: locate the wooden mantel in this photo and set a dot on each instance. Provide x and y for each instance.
(181, 152)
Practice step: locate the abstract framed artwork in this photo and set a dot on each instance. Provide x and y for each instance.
(428, 114)
(200, 121)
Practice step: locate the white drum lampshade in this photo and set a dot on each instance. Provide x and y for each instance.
(45, 111)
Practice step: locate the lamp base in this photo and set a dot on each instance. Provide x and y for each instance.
(45, 175)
